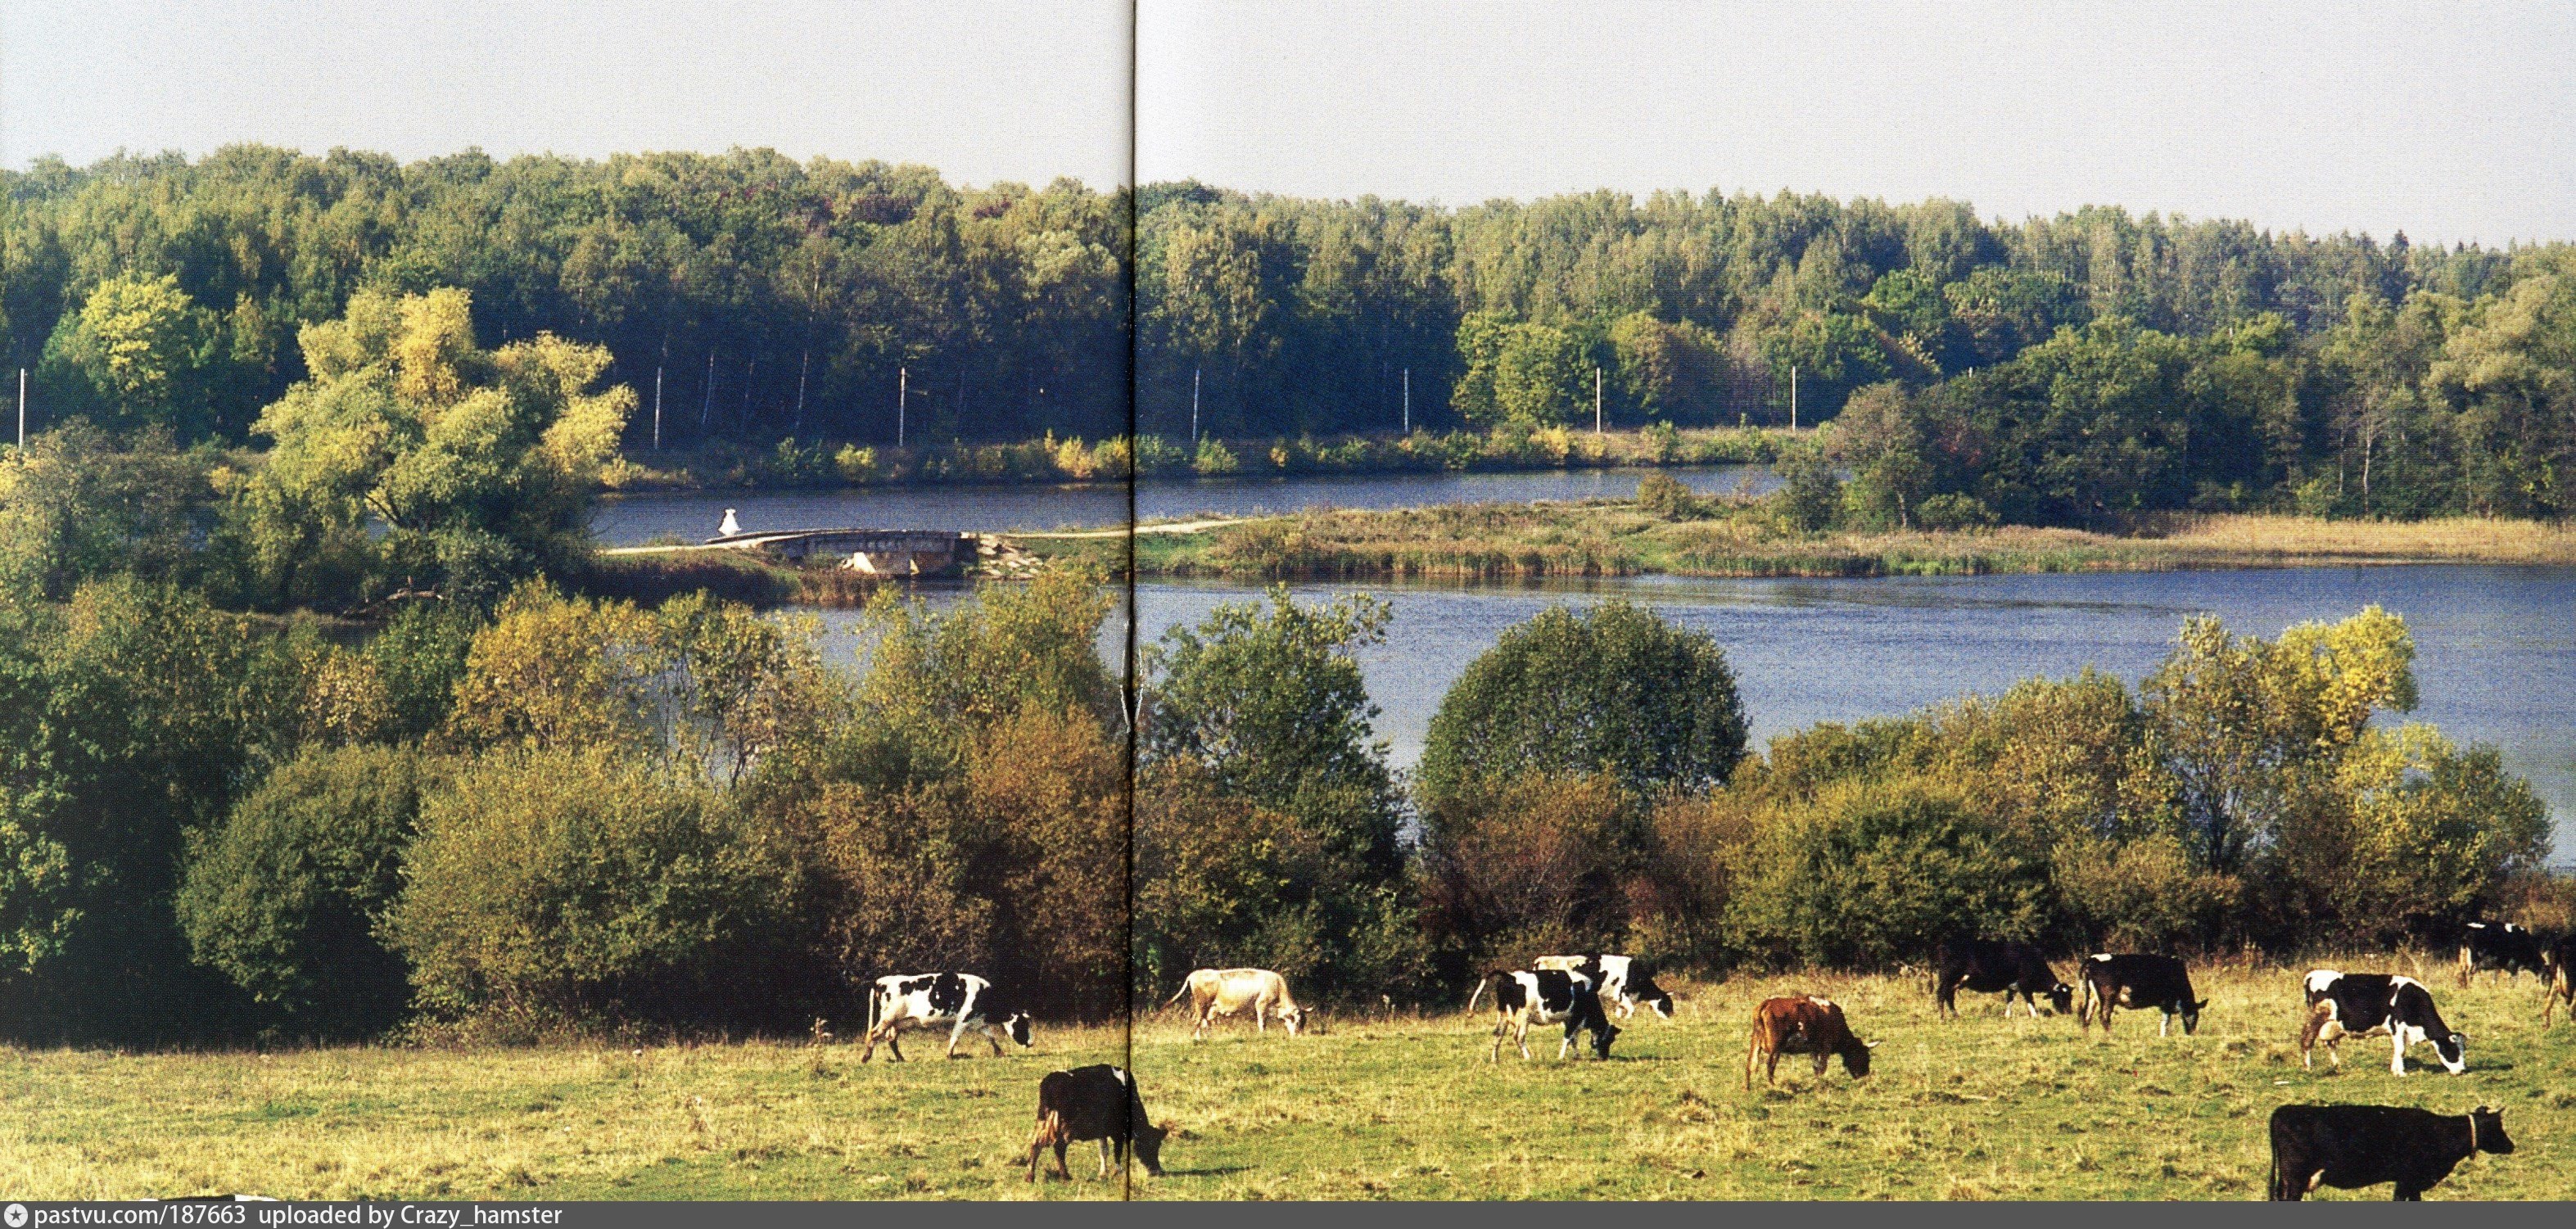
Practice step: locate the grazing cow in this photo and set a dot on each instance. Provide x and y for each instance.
(1227, 992)
(1098, 1102)
(1545, 996)
(2139, 982)
(1624, 980)
(1803, 1025)
(2349, 1146)
(2500, 945)
(962, 1003)
(2562, 980)
(2367, 1004)
(1986, 966)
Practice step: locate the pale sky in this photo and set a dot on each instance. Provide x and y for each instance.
(2448, 121)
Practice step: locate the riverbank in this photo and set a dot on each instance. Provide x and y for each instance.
(1599, 539)
(1051, 461)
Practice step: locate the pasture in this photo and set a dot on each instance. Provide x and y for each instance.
(1399, 1107)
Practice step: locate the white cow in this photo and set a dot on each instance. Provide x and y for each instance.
(962, 1003)
(1227, 992)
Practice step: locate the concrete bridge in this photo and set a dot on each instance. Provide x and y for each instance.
(874, 552)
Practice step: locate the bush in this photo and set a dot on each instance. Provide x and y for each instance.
(1664, 497)
(285, 896)
(561, 887)
(1525, 867)
(1955, 511)
(1811, 493)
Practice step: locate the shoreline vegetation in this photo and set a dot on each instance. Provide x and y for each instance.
(1050, 461)
(1598, 539)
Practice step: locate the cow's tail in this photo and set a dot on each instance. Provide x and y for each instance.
(1176, 995)
(1481, 983)
(876, 1004)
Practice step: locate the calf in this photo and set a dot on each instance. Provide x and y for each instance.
(2348, 1146)
(2562, 980)
(2140, 982)
(1545, 996)
(962, 1003)
(1098, 1102)
(2366, 1004)
(2500, 945)
(1624, 980)
(1803, 1025)
(1227, 992)
(1986, 966)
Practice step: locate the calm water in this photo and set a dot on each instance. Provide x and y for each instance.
(634, 520)
(2496, 646)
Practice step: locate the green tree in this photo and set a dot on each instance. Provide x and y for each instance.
(138, 353)
(1612, 690)
(78, 506)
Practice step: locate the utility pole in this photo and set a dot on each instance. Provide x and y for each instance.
(22, 409)
(707, 401)
(1596, 401)
(1194, 405)
(902, 398)
(1793, 396)
(1408, 401)
(657, 407)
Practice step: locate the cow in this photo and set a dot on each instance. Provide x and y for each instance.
(1624, 980)
(1545, 996)
(1227, 992)
(1986, 966)
(2562, 980)
(2349, 1146)
(2367, 1004)
(2500, 945)
(962, 1003)
(2139, 982)
(1098, 1102)
(1804, 1024)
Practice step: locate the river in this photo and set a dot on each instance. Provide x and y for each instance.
(633, 520)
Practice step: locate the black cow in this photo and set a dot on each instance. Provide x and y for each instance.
(1097, 1102)
(2139, 982)
(2349, 1146)
(2364, 1004)
(2562, 980)
(1545, 996)
(2500, 945)
(1986, 966)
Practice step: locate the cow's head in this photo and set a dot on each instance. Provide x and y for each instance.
(1149, 1147)
(2061, 998)
(1018, 1027)
(2454, 1052)
(1855, 1054)
(2191, 1016)
(2488, 1126)
(1644, 990)
(1294, 1018)
(1602, 1036)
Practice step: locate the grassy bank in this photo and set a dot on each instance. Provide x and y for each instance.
(1401, 1108)
(793, 466)
(1525, 541)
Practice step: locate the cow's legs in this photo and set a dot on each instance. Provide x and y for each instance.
(2397, 1054)
(1820, 1065)
(1520, 1037)
(996, 1039)
(1771, 1072)
(2164, 1024)
(956, 1033)
(1501, 1023)
(1104, 1157)
(893, 1043)
(1752, 1050)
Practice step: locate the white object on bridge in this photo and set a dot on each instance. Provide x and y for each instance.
(730, 526)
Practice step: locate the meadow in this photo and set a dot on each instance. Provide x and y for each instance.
(1391, 1106)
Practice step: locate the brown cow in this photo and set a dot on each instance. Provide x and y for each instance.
(1803, 1025)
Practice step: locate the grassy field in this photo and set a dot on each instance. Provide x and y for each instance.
(1400, 1107)
(1602, 538)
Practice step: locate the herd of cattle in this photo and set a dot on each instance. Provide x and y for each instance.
(2342, 1146)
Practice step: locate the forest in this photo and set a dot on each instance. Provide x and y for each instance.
(2076, 369)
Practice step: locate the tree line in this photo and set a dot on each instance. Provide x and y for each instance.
(2074, 369)
(566, 815)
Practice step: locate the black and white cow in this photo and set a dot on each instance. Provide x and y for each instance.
(1625, 981)
(1545, 996)
(962, 1003)
(1986, 966)
(2347, 1146)
(2372, 1004)
(2137, 981)
(2500, 945)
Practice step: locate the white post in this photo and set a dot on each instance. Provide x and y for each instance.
(22, 409)
(1793, 396)
(657, 407)
(1194, 405)
(1408, 401)
(902, 399)
(1596, 401)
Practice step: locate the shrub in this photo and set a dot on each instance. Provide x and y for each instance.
(558, 887)
(1215, 458)
(1522, 867)
(1955, 511)
(285, 896)
(1664, 497)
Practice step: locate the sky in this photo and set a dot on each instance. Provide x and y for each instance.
(2445, 121)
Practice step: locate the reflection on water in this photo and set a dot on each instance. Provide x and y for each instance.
(637, 519)
(2495, 646)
